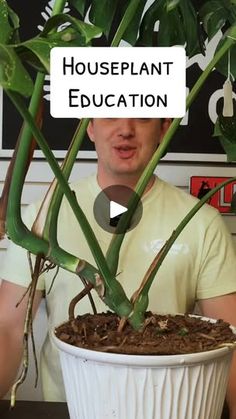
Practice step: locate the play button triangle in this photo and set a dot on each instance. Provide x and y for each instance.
(109, 206)
(116, 209)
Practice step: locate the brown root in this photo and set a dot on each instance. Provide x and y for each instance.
(77, 298)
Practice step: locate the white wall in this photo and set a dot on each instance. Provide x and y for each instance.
(37, 181)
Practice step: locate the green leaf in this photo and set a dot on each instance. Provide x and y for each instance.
(172, 4)
(41, 48)
(86, 30)
(67, 37)
(36, 51)
(229, 148)
(14, 19)
(232, 13)
(131, 32)
(217, 130)
(210, 6)
(208, 9)
(222, 65)
(214, 20)
(192, 29)
(179, 25)
(102, 13)
(228, 127)
(151, 16)
(79, 5)
(15, 23)
(171, 30)
(125, 21)
(13, 75)
(215, 14)
(225, 129)
(215, 23)
(6, 29)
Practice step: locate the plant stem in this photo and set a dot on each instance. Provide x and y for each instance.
(140, 298)
(55, 193)
(14, 224)
(88, 232)
(114, 294)
(58, 7)
(126, 20)
(186, 220)
(71, 156)
(115, 245)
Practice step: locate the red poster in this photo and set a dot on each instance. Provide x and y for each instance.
(200, 185)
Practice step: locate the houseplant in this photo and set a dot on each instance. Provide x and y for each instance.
(43, 241)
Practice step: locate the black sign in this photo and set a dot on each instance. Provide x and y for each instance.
(194, 137)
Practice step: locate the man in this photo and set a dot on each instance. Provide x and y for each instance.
(201, 265)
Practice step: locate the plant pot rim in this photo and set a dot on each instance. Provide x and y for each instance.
(145, 360)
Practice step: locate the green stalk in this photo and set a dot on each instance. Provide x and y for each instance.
(114, 248)
(186, 220)
(141, 302)
(114, 294)
(50, 228)
(22, 234)
(88, 232)
(14, 222)
(56, 254)
(127, 18)
(52, 217)
(58, 7)
(146, 176)
(51, 221)
(16, 229)
(232, 12)
(122, 305)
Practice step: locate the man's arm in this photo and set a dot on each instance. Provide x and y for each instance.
(11, 331)
(224, 307)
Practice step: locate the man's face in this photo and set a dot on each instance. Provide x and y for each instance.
(125, 145)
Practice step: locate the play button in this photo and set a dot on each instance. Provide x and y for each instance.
(111, 204)
(116, 209)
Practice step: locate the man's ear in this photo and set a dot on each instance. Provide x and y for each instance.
(165, 123)
(90, 130)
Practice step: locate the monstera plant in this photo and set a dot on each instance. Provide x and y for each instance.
(181, 22)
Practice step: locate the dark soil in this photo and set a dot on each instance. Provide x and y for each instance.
(160, 335)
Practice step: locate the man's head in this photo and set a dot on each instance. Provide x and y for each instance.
(124, 146)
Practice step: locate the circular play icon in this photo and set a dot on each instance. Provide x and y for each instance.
(111, 204)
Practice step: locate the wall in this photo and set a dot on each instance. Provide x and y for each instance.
(37, 181)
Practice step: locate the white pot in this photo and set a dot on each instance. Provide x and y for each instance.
(107, 386)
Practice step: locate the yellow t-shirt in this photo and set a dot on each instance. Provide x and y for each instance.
(201, 263)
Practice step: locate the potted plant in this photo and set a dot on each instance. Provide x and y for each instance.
(179, 24)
